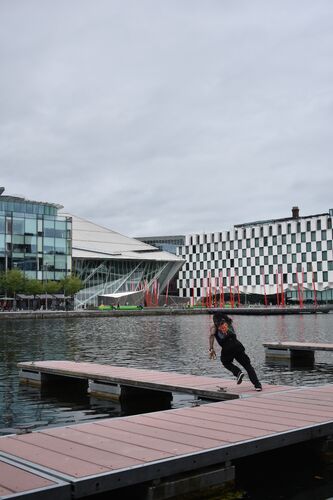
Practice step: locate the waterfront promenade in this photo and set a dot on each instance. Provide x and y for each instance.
(165, 311)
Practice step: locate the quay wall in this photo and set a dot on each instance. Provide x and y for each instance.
(163, 311)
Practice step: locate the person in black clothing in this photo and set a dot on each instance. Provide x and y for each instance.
(231, 348)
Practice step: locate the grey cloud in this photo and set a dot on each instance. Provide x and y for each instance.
(171, 117)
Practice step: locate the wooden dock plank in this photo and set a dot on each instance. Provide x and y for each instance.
(18, 481)
(242, 420)
(255, 413)
(200, 422)
(119, 454)
(105, 428)
(282, 407)
(171, 431)
(65, 464)
(15, 480)
(91, 434)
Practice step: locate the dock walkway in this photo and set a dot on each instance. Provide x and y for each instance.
(118, 452)
(301, 353)
(112, 381)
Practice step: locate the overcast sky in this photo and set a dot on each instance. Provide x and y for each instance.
(155, 117)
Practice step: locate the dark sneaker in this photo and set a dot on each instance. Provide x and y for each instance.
(240, 378)
(259, 388)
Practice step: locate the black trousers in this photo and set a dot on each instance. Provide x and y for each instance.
(242, 358)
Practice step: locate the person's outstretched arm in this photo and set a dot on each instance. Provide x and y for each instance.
(212, 353)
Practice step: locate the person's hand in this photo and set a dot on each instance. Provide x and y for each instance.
(212, 354)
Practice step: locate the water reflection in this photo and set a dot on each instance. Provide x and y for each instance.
(163, 342)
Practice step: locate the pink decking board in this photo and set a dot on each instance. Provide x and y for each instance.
(169, 381)
(176, 440)
(17, 480)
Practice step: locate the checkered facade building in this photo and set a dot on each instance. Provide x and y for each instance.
(258, 257)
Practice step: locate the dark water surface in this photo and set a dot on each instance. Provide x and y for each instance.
(168, 343)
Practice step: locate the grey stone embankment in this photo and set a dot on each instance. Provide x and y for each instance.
(162, 311)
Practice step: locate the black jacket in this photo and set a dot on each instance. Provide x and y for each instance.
(228, 341)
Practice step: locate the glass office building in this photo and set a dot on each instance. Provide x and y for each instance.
(34, 238)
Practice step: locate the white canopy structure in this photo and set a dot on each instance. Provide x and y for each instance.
(110, 263)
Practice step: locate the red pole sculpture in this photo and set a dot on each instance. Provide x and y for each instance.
(299, 292)
(314, 288)
(230, 290)
(221, 290)
(237, 287)
(282, 292)
(277, 289)
(215, 303)
(265, 296)
(302, 287)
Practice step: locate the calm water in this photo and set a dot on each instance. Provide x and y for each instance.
(167, 343)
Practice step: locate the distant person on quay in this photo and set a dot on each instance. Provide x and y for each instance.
(231, 349)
